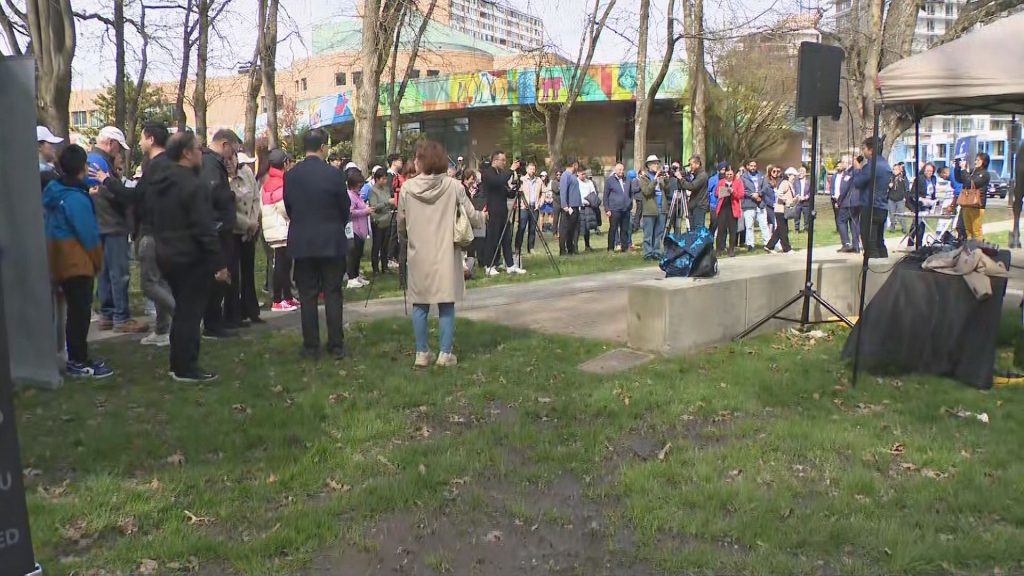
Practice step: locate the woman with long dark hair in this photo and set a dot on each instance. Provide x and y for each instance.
(275, 231)
(979, 179)
(784, 198)
(728, 211)
(380, 222)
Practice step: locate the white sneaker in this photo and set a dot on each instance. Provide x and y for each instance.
(493, 272)
(355, 283)
(447, 360)
(516, 270)
(423, 359)
(158, 340)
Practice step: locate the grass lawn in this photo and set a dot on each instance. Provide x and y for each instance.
(749, 458)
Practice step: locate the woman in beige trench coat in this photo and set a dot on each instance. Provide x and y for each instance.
(426, 223)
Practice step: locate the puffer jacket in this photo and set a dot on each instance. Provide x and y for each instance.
(275, 217)
(72, 235)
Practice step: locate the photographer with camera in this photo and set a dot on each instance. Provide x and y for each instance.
(499, 185)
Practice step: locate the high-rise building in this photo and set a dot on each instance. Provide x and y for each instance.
(491, 21)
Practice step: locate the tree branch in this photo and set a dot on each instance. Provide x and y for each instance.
(9, 34)
(977, 12)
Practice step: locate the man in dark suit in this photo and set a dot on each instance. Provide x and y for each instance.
(317, 202)
(848, 202)
(495, 185)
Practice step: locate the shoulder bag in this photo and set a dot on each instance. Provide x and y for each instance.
(463, 228)
(970, 197)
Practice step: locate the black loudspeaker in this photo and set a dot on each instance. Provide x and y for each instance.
(817, 80)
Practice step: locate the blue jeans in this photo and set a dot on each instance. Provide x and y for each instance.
(654, 229)
(112, 283)
(446, 324)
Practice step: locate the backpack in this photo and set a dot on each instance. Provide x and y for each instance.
(689, 254)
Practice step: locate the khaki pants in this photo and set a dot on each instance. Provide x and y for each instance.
(972, 222)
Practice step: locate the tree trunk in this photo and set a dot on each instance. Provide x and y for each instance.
(132, 106)
(186, 52)
(379, 23)
(51, 25)
(871, 62)
(269, 70)
(120, 104)
(202, 54)
(643, 107)
(394, 100)
(697, 76)
(252, 95)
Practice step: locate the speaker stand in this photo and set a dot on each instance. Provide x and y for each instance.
(807, 293)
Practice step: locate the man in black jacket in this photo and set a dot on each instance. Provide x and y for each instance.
(214, 175)
(316, 198)
(154, 286)
(695, 183)
(187, 248)
(494, 182)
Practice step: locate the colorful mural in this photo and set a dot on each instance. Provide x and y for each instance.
(512, 87)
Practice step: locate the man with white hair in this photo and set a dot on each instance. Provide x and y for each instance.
(112, 200)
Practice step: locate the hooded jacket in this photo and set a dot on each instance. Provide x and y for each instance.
(183, 221)
(72, 236)
(426, 221)
(150, 171)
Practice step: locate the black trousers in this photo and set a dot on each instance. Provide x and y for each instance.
(379, 248)
(78, 297)
(282, 275)
(569, 232)
(499, 237)
(241, 303)
(355, 255)
(872, 232)
(781, 233)
(313, 276)
(191, 286)
(726, 229)
(619, 229)
(214, 317)
(698, 217)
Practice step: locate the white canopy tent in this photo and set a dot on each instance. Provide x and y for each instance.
(978, 73)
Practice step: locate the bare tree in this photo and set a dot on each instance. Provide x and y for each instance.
(380, 19)
(132, 111)
(268, 70)
(395, 94)
(645, 94)
(199, 103)
(252, 93)
(188, 41)
(556, 115)
(49, 26)
(696, 73)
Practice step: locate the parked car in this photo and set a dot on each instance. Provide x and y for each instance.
(997, 186)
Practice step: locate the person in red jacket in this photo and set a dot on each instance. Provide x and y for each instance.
(729, 187)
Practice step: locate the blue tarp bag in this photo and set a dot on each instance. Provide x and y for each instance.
(690, 254)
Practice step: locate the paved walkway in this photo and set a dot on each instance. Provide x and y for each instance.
(588, 306)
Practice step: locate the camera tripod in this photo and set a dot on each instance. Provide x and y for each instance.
(510, 224)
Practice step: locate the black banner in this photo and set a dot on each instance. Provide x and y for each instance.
(16, 557)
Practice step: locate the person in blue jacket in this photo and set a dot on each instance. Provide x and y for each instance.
(873, 214)
(75, 255)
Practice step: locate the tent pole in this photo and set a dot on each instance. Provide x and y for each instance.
(865, 243)
(917, 172)
(1013, 143)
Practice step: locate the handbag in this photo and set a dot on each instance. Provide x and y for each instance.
(792, 211)
(969, 198)
(463, 228)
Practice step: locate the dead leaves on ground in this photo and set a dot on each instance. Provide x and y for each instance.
(195, 520)
(176, 459)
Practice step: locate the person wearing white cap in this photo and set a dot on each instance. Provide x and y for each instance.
(654, 191)
(112, 201)
(785, 197)
(47, 154)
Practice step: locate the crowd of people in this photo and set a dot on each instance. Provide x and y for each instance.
(195, 216)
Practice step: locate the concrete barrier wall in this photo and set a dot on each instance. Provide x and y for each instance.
(677, 315)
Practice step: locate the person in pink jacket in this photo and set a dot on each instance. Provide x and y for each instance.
(360, 222)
